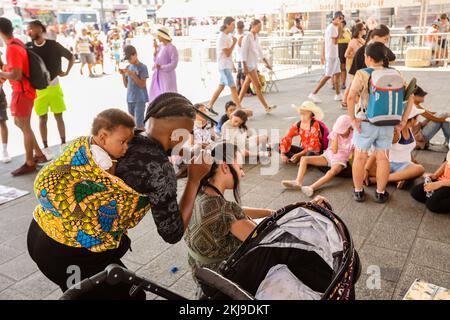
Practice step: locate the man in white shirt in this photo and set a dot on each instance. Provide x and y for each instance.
(225, 46)
(330, 56)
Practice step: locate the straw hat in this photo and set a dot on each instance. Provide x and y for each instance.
(311, 107)
(164, 33)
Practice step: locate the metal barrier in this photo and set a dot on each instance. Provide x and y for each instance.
(438, 42)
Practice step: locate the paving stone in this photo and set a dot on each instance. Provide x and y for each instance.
(431, 254)
(55, 295)
(158, 270)
(18, 243)
(392, 237)
(5, 283)
(133, 266)
(37, 286)
(435, 227)
(413, 272)
(390, 262)
(19, 267)
(7, 253)
(363, 291)
(185, 286)
(146, 248)
(11, 294)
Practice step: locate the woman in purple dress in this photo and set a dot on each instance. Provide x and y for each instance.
(166, 61)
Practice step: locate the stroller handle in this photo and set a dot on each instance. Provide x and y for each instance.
(76, 291)
(115, 274)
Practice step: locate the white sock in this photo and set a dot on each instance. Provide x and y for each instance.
(5, 147)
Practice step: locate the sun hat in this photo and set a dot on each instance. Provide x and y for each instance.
(164, 33)
(415, 112)
(342, 124)
(311, 107)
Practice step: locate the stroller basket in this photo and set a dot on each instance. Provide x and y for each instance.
(226, 284)
(249, 265)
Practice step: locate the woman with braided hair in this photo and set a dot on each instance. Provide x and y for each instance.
(85, 213)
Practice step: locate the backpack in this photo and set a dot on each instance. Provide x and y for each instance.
(39, 75)
(386, 96)
(324, 133)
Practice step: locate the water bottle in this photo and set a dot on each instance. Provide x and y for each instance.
(427, 181)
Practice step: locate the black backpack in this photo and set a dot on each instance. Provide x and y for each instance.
(39, 75)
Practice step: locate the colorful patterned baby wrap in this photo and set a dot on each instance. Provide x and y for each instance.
(82, 205)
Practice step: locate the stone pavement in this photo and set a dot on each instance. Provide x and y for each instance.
(402, 238)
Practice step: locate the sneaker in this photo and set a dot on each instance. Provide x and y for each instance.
(359, 196)
(344, 87)
(48, 153)
(5, 158)
(270, 109)
(25, 169)
(291, 184)
(314, 98)
(62, 147)
(381, 197)
(338, 97)
(308, 191)
(212, 111)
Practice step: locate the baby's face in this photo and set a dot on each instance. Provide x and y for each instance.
(116, 141)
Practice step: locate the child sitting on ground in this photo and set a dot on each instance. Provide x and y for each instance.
(236, 131)
(310, 132)
(374, 105)
(230, 108)
(336, 157)
(203, 136)
(112, 129)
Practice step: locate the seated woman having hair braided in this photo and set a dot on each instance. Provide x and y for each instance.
(218, 227)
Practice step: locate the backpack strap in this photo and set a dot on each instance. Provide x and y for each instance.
(369, 71)
(23, 73)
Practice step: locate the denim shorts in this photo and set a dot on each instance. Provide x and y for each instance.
(373, 136)
(399, 166)
(226, 78)
(137, 110)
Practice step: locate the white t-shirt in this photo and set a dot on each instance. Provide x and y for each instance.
(331, 49)
(295, 30)
(101, 157)
(224, 41)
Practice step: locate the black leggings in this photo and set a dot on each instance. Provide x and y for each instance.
(439, 202)
(54, 259)
(294, 150)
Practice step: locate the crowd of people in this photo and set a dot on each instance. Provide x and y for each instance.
(105, 183)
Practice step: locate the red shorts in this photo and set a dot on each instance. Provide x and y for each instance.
(21, 105)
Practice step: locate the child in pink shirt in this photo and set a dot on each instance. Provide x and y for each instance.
(335, 157)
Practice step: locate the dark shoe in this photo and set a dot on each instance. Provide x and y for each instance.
(213, 112)
(381, 197)
(23, 170)
(359, 196)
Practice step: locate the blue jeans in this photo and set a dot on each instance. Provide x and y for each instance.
(137, 110)
(432, 128)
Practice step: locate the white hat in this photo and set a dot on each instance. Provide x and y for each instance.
(415, 112)
(164, 33)
(311, 107)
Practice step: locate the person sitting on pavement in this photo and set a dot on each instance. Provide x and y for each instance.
(425, 131)
(218, 227)
(435, 193)
(236, 131)
(230, 108)
(403, 169)
(309, 130)
(336, 157)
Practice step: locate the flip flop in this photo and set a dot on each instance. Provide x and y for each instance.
(410, 88)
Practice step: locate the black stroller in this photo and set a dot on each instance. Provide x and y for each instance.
(304, 245)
